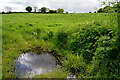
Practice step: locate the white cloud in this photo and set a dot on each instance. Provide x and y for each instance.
(69, 5)
(15, 7)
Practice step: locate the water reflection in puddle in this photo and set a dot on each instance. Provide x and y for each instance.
(31, 64)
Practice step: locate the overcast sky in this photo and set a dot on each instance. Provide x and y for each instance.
(68, 5)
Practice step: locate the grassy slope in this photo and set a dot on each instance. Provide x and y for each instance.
(24, 31)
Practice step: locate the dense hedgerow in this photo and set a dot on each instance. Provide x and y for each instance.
(98, 47)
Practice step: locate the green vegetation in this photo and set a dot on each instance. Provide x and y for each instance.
(43, 9)
(29, 9)
(88, 42)
(111, 7)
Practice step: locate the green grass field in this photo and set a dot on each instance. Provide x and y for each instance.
(88, 42)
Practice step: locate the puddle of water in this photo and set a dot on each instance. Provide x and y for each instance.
(31, 64)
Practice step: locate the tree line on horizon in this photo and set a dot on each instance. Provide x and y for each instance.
(110, 8)
(44, 10)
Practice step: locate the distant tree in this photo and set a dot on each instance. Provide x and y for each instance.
(3, 12)
(60, 10)
(8, 9)
(90, 12)
(39, 10)
(94, 11)
(29, 9)
(35, 9)
(52, 11)
(66, 12)
(44, 10)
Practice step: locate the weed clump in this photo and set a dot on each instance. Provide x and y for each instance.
(31, 25)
